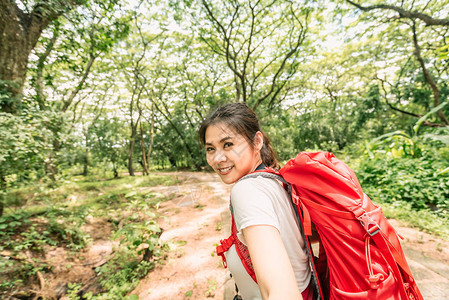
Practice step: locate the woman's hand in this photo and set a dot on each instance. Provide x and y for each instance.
(271, 263)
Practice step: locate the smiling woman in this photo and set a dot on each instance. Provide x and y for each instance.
(266, 253)
(230, 154)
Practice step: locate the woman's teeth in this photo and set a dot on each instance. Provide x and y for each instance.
(224, 170)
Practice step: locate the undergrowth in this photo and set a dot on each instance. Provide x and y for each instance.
(40, 218)
(409, 178)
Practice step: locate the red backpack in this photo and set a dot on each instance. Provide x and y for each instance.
(360, 256)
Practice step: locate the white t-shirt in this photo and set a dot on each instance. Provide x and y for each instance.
(263, 201)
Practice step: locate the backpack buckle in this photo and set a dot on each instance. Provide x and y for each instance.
(224, 247)
(373, 280)
(369, 224)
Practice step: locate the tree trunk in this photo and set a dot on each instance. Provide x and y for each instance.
(130, 156)
(150, 148)
(3, 188)
(50, 166)
(19, 33)
(86, 158)
(86, 164)
(132, 141)
(144, 155)
(14, 51)
(114, 170)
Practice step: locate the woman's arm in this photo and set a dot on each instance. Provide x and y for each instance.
(271, 263)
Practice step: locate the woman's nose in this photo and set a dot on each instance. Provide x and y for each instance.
(219, 156)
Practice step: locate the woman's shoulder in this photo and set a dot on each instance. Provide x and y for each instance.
(256, 185)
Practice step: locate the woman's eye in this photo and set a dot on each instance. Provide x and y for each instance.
(209, 149)
(227, 144)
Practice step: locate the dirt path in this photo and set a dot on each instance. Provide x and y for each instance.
(195, 221)
(428, 258)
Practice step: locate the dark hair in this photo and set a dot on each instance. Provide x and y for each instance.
(245, 122)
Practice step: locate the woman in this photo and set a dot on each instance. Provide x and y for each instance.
(262, 213)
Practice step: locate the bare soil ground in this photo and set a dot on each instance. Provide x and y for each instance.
(193, 221)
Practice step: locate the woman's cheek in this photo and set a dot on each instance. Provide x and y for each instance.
(209, 159)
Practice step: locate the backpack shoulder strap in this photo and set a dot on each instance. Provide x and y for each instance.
(268, 173)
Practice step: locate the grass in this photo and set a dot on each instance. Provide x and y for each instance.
(80, 191)
(424, 220)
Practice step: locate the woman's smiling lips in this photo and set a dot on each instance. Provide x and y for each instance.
(224, 171)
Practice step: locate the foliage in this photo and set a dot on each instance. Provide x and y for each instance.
(122, 274)
(23, 143)
(109, 67)
(107, 143)
(20, 232)
(140, 247)
(408, 170)
(425, 220)
(24, 232)
(261, 60)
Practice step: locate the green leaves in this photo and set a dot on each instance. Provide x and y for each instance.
(391, 174)
(443, 52)
(22, 145)
(427, 115)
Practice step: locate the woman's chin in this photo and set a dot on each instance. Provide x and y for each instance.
(227, 179)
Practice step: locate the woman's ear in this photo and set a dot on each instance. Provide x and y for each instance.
(258, 141)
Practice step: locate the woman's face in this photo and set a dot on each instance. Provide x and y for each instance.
(230, 154)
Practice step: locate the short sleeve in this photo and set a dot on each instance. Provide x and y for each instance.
(252, 203)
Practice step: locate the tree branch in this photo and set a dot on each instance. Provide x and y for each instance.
(425, 123)
(428, 20)
(40, 67)
(42, 14)
(80, 85)
(292, 51)
(231, 59)
(429, 79)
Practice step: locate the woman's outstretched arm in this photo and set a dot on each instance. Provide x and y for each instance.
(271, 263)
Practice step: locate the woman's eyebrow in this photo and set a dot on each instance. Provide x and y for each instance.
(221, 141)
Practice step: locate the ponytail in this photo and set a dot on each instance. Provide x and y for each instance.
(267, 153)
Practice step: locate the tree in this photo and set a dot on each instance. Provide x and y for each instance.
(20, 30)
(108, 140)
(66, 57)
(142, 47)
(22, 150)
(89, 123)
(260, 42)
(426, 34)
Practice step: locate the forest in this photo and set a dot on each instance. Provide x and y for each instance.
(99, 96)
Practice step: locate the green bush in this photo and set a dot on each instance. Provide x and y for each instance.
(122, 274)
(413, 180)
(23, 231)
(407, 169)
